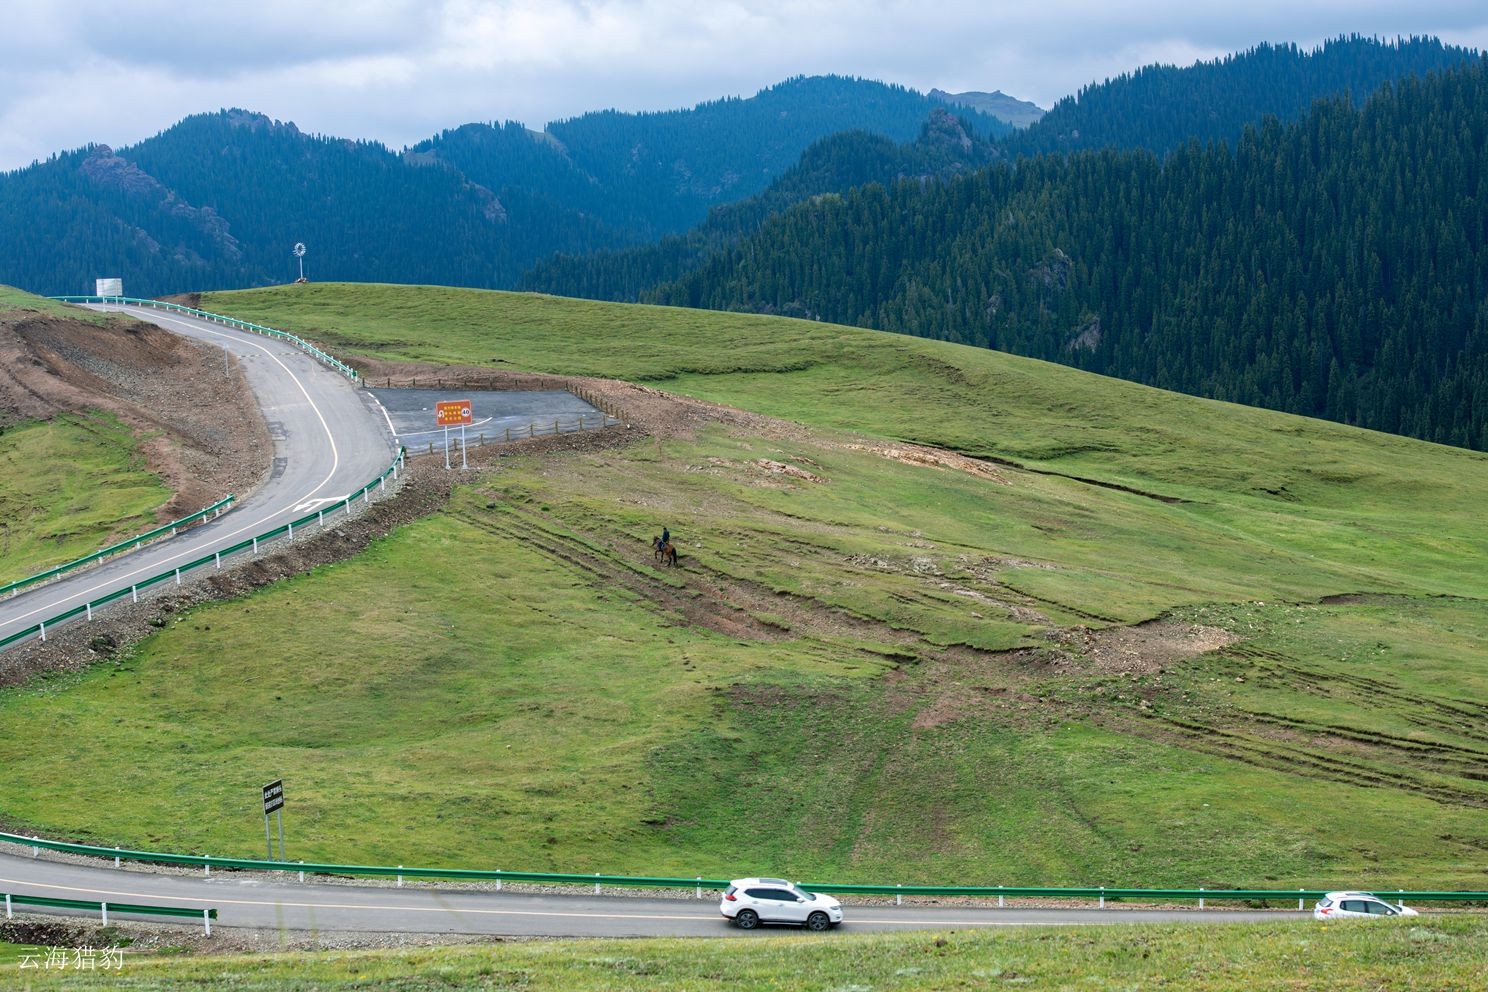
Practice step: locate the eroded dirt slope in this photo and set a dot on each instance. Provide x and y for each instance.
(199, 427)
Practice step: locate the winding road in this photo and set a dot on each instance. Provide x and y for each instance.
(329, 438)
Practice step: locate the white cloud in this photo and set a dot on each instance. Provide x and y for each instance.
(74, 71)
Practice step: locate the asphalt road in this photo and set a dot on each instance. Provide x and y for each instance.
(330, 438)
(411, 412)
(263, 902)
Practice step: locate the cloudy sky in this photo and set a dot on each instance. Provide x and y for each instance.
(117, 71)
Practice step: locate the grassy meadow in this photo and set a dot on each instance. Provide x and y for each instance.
(872, 671)
(69, 486)
(1442, 953)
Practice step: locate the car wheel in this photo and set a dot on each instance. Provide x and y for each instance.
(747, 919)
(818, 922)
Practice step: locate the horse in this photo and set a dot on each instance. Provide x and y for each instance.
(664, 552)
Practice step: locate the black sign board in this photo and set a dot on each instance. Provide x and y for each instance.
(273, 795)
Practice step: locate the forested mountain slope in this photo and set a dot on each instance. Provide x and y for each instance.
(1156, 108)
(654, 173)
(218, 199)
(946, 146)
(1160, 107)
(1336, 266)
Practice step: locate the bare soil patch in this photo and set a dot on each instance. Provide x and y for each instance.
(1146, 648)
(199, 427)
(914, 454)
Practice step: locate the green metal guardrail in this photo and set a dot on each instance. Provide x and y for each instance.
(13, 899)
(242, 325)
(644, 881)
(215, 558)
(126, 545)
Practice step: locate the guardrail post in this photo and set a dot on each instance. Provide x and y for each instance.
(173, 532)
(291, 533)
(8, 913)
(302, 871)
(35, 851)
(999, 898)
(134, 594)
(498, 882)
(207, 921)
(899, 896)
(89, 608)
(218, 556)
(116, 859)
(400, 876)
(596, 884)
(178, 576)
(1300, 900)
(255, 545)
(43, 630)
(103, 906)
(1201, 897)
(1103, 897)
(700, 886)
(208, 867)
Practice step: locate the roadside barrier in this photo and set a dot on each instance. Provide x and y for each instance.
(242, 325)
(131, 544)
(13, 899)
(584, 422)
(252, 545)
(698, 883)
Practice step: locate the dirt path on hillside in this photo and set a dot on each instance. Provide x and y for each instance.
(198, 426)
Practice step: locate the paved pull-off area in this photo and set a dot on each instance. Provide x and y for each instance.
(263, 902)
(411, 413)
(329, 440)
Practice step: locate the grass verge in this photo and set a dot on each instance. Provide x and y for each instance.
(1421, 954)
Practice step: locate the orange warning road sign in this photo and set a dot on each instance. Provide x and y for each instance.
(454, 413)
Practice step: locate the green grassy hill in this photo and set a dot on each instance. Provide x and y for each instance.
(1144, 638)
(70, 484)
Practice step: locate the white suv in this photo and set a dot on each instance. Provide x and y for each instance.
(752, 901)
(1356, 905)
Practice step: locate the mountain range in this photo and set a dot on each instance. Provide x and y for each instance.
(1300, 229)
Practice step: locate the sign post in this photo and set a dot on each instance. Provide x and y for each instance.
(273, 802)
(454, 413)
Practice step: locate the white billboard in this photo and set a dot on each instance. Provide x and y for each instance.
(108, 287)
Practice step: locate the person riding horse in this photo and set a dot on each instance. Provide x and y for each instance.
(662, 546)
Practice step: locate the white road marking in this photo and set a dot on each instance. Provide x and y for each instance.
(311, 504)
(440, 430)
(86, 594)
(391, 429)
(145, 897)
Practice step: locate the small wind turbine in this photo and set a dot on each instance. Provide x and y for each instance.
(299, 253)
